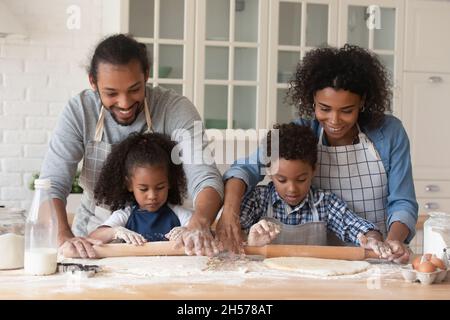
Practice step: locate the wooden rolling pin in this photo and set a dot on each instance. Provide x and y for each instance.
(166, 248)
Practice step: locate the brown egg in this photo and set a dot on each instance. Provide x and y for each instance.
(438, 262)
(426, 266)
(417, 260)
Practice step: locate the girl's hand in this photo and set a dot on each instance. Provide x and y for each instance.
(129, 236)
(400, 251)
(262, 233)
(382, 249)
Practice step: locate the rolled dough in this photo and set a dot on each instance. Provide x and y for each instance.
(316, 266)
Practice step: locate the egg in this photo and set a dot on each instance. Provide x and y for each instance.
(438, 262)
(417, 260)
(427, 267)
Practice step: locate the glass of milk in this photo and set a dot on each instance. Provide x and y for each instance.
(41, 230)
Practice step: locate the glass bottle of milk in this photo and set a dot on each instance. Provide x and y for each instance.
(41, 232)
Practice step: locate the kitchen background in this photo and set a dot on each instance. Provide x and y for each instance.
(232, 58)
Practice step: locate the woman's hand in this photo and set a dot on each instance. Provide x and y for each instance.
(262, 233)
(400, 251)
(228, 232)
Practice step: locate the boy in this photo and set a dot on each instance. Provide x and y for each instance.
(289, 208)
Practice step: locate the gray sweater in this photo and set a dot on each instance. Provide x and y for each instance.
(76, 127)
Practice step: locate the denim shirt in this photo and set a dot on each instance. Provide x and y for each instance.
(392, 144)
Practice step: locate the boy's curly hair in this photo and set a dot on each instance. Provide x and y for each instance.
(350, 68)
(138, 150)
(296, 142)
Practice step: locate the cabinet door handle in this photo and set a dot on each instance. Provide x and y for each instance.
(435, 79)
(432, 188)
(431, 206)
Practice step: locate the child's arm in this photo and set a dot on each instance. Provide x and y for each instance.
(107, 234)
(351, 227)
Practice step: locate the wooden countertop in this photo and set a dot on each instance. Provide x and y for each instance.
(59, 286)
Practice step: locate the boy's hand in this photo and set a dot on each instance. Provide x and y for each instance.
(129, 236)
(378, 246)
(262, 233)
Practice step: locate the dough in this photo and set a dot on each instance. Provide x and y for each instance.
(316, 266)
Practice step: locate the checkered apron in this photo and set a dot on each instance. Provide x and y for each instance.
(89, 216)
(310, 233)
(356, 174)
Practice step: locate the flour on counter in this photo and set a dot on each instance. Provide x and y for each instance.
(125, 273)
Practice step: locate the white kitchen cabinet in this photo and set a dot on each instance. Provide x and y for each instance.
(427, 46)
(234, 58)
(166, 27)
(425, 115)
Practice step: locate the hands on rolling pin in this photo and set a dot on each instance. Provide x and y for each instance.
(196, 241)
(390, 250)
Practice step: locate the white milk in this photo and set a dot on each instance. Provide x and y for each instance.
(11, 251)
(41, 261)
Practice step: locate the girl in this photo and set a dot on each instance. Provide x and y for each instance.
(363, 154)
(144, 187)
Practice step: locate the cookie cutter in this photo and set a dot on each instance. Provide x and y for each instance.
(85, 270)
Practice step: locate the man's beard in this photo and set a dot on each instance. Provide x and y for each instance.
(139, 108)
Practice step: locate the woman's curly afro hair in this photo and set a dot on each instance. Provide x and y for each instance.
(138, 150)
(350, 68)
(296, 142)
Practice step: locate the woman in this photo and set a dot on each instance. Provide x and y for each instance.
(363, 154)
(120, 103)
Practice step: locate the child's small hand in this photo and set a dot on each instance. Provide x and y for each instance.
(175, 233)
(262, 233)
(378, 246)
(129, 236)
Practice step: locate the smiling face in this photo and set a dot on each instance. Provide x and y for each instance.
(292, 180)
(150, 186)
(122, 90)
(338, 111)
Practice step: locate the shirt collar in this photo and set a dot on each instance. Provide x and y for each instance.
(317, 196)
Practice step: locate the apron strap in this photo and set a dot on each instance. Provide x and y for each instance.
(148, 119)
(100, 125)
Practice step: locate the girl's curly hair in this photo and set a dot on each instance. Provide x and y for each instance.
(138, 150)
(350, 68)
(296, 142)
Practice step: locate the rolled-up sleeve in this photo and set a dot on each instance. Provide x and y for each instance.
(401, 201)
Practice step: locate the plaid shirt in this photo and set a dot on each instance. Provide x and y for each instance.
(333, 210)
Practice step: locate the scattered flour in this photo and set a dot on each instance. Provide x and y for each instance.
(124, 273)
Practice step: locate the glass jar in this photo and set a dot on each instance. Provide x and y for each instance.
(12, 229)
(436, 233)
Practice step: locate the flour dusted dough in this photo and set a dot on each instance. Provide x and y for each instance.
(316, 266)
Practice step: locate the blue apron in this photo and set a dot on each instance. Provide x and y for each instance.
(152, 225)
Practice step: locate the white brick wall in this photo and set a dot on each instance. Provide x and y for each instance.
(37, 77)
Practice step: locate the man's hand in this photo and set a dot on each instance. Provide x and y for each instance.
(129, 236)
(196, 240)
(262, 233)
(228, 232)
(78, 247)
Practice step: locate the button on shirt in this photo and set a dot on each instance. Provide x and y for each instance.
(333, 210)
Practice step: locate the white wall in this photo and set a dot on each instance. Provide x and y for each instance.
(37, 77)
